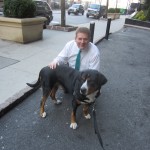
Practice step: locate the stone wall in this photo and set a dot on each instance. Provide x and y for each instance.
(135, 22)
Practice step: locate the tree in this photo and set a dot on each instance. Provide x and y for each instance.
(63, 14)
(107, 4)
(116, 6)
(147, 7)
(147, 4)
(148, 14)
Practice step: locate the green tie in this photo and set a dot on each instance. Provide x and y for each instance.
(77, 65)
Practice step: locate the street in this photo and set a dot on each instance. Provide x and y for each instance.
(71, 19)
(122, 109)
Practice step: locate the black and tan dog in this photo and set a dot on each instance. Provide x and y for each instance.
(84, 86)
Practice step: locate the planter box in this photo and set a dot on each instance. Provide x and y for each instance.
(59, 28)
(138, 23)
(21, 30)
(113, 16)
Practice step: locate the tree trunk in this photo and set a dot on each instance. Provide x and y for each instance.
(107, 4)
(63, 16)
(116, 6)
(49, 2)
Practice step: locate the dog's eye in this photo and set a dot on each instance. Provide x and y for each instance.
(83, 78)
(88, 76)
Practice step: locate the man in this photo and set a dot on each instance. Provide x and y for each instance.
(89, 53)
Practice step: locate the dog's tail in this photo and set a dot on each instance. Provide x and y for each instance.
(35, 85)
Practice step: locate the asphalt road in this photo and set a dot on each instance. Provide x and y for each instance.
(72, 19)
(123, 109)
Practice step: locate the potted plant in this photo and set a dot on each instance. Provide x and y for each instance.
(19, 22)
(113, 13)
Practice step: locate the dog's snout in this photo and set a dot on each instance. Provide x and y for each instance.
(84, 88)
(83, 91)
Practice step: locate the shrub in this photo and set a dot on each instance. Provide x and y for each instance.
(117, 10)
(140, 16)
(113, 10)
(19, 8)
(123, 11)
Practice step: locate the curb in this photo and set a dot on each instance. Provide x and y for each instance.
(99, 40)
(134, 26)
(13, 101)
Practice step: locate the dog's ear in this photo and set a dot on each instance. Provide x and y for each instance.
(102, 79)
(82, 75)
(77, 85)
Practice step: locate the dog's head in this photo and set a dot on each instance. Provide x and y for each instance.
(89, 84)
(92, 81)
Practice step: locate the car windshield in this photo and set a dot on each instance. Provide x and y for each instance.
(75, 6)
(94, 6)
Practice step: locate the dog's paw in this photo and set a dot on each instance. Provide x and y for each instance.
(57, 102)
(73, 125)
(88, 116)
(43, 115)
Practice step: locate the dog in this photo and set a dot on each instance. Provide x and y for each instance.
(83, 85)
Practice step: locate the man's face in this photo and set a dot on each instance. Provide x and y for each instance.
(82, 40)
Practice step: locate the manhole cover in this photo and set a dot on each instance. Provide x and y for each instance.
(5, 62)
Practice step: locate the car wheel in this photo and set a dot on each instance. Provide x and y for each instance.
(47, 22)
(98, 17)
(104, 16)
(44, 26)
(76, 13)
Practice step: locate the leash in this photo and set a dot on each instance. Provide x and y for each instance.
(96, 127)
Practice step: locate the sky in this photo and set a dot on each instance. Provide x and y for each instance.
(112, 3)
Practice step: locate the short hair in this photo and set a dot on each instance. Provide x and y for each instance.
(83, 30)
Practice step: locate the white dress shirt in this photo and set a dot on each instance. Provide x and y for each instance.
(90, 56)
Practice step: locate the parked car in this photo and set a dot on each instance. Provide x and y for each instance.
(55, 5)
(76, 9)
(1, 10)
(96, 11)
(43, 9)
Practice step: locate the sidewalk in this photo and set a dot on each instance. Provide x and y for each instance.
(21, 63)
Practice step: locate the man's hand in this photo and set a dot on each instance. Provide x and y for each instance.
(53, 64)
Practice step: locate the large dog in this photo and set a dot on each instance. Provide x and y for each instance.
(84, 86)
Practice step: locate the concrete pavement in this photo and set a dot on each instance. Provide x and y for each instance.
(21, 63)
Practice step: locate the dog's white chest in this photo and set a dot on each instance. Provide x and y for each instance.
(90, 98)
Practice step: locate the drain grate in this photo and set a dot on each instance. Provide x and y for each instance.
(5, 62)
